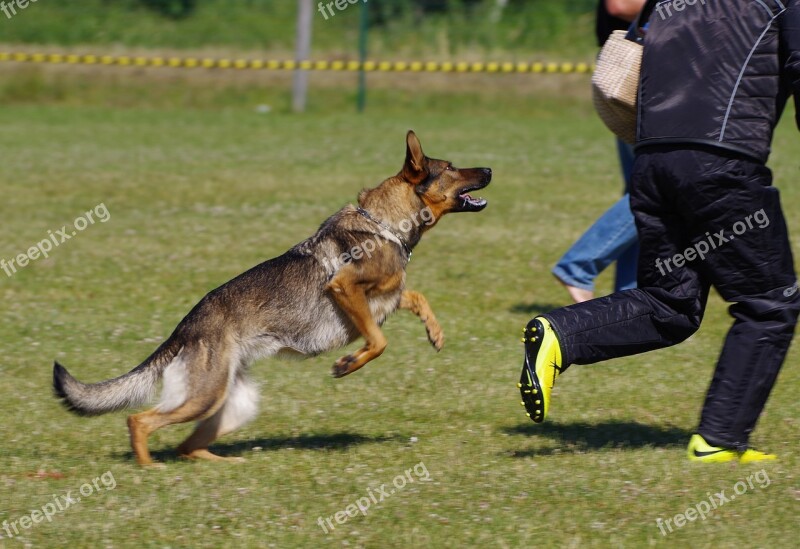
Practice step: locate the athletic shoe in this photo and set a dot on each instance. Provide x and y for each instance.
(541, 368)
(700, 450)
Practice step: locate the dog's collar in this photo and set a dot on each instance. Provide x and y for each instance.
(388, 233)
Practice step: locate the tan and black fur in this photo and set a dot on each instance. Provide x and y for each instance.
(304, 302)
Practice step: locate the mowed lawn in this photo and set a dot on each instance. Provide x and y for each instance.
(196, 196)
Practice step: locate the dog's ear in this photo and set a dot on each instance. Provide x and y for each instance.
(415, 170)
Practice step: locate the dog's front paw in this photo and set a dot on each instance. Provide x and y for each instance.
(436, 337)
(342, 366)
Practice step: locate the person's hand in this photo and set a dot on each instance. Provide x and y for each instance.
(624, 9)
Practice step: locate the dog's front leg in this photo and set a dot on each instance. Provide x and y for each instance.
(417, 304)
(352, 299)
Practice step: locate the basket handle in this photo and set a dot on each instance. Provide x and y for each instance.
(636, 31)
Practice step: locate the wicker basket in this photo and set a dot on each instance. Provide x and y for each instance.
(615, 84)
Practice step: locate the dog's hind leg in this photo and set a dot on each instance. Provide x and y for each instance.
(241, 405)
(195, 385)
(144, 424)
(417, 304)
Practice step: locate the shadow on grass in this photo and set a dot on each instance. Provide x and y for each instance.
(534, 309)
(332, 441)
(576, 438)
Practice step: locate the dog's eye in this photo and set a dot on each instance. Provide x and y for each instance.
(450, 168)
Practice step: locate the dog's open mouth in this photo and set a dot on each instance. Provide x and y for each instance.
(470, 203)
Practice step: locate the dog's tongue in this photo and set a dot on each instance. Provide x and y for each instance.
(466, 197)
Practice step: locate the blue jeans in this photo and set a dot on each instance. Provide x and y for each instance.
(611, 238)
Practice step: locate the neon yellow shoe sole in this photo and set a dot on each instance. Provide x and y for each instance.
(541, 368)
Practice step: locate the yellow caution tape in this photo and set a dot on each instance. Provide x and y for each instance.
(492, 67)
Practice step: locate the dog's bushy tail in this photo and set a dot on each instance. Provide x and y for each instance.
(126, 391)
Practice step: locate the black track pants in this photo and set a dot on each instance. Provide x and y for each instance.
(703, 219)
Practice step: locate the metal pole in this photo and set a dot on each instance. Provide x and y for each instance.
(303, 53)
(362, 53)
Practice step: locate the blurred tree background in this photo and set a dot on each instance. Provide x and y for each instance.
(420, 28)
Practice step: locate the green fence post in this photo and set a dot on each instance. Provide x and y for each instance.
(362, 52)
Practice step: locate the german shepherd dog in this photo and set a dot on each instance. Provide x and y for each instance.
(321, 295)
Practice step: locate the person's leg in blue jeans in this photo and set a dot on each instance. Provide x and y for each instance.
(611, 238)
(627, 260)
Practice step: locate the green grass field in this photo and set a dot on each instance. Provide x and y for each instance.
(199, 187)
(397, 28)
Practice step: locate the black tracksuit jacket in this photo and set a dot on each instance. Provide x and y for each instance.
(723, 85)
